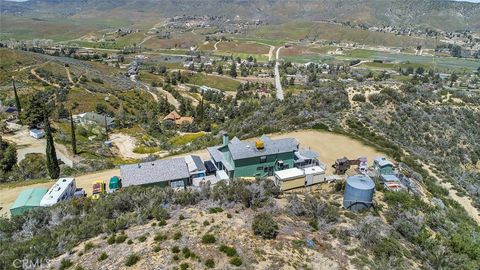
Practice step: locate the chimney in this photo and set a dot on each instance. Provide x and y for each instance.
(225, 138)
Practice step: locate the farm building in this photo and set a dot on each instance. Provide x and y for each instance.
(297, 178)
(27, 200)
(167, 172)
(254, 159)
(92, 118)
(383, 166)
(62, 190)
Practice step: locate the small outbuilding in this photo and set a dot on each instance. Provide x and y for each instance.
(37, 133)
(290, 178)
(383, 166)
(27, 200)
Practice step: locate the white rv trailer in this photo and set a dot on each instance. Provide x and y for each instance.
(62, 190)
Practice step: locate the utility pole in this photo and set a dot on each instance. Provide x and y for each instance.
(106, 127)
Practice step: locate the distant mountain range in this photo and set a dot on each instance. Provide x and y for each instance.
(437, 14)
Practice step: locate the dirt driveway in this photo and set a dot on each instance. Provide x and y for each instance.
(330, 146)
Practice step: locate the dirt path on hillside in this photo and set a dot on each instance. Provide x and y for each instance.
(34, 73)
(170, 98)
(125, 145)
(465, 202)
(69, 75)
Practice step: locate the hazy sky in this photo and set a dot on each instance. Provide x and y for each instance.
(473, 1)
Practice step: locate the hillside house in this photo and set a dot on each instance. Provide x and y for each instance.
(168, 172)
(93, 118)
(254, 159)
(178, 119)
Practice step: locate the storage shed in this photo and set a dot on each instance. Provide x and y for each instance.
(314, 175)
(27, 200)
(37, 133)
(358, 194)
(290, 178)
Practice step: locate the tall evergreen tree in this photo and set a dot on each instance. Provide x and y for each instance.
(52, 162)
(74, 137)
(17, 99)
(233, 70)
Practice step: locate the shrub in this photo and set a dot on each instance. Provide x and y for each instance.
(237, 261)
(184, 266)
(186, 252)
(162, 222)
(230, 251)
(156, 248)
(121, 238)
(111, 240)
(88, 246)
(359, 98)
(177, 236)
(264, 225)
(142, 238)
(208, 239)
(160, 237)
(209, 263)
(65, 263)
(175, 257)
(132, 259)
(229, 215)
(215, 210)
(181, 217)
(102, 257)
(206, 223)
(175, 249)
(130, 241)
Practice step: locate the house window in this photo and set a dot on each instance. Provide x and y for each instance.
(263, 159)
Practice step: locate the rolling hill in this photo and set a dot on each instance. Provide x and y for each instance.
(437, 14)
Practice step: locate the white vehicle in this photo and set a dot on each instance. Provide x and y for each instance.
(62, 190)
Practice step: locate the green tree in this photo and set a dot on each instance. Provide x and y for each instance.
(74, 137)
(220, 69)
(233, 70)
(8, 156)
(52, 162)
(17, 99)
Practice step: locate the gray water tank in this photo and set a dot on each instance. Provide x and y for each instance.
(358, 194)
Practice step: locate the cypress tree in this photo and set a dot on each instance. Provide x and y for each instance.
(52, 161)
(17, 99)
(74, 138)
(106, 128)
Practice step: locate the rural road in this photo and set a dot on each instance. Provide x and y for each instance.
(278, 83)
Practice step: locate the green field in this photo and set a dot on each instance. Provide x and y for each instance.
(222, 83)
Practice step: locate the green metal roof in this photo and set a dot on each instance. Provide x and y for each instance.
(29, 197)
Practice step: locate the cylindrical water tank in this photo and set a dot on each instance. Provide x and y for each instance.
(358, 194)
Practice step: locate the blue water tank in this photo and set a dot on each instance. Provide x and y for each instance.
(358, 194)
